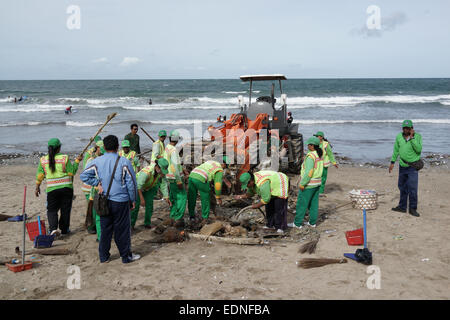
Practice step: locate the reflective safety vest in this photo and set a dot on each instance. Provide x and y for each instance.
(161, 150)
(316, 177)
(130, 156)
(59, 178)
(84, 186)
(170, 149)
(152, 178)
(326, 158)
(208, 169)
(279, 182)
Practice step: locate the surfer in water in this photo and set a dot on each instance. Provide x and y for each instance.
(68, 110)
(150, 101)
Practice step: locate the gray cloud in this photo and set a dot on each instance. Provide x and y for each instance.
(389, 23)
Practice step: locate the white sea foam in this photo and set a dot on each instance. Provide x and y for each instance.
(307, 122)
(82, 124)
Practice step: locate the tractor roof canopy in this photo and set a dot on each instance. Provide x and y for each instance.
(263, 77)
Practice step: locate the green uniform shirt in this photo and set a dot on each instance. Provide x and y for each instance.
(134, 142)
(409, 150)
(142, 177)
(218, 177)
(263, 191)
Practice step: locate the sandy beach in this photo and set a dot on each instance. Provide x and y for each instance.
(415, 267)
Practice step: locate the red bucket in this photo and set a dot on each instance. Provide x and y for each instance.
(19, 267)
(355, 237)
(33, 229)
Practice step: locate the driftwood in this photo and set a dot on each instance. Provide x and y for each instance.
(51, 251)
(4, 217)
(247, 241)
(307, 263)
(211, 229)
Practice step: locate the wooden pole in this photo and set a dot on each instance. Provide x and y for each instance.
(147, 134)
(248, 241)
(108, 119)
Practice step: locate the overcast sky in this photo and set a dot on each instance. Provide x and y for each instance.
(145, 39)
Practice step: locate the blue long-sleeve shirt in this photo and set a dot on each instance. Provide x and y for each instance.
(123, 188)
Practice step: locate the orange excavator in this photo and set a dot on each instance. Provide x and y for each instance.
(258, 123)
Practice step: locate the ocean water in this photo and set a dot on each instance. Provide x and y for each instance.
(360, 117)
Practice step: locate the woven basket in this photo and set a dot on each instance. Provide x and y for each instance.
(364, 199)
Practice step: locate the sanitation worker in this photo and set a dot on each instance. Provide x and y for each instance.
(311, 179)
(199, 182)
(92, 219)
(130, 155)
(273, 188)
(175, 177)
(158, 149)
(328, 159)
(58, 172)
(149, 180)
(408, 145)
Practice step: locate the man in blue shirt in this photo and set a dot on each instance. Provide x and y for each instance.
(121, 196)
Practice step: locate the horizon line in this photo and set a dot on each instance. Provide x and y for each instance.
(165, 79)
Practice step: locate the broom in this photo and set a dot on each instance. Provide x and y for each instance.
(308, 263)
(309, 247)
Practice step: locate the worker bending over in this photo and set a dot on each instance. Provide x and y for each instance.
(149, 180)
(273, 188)
(199, 182)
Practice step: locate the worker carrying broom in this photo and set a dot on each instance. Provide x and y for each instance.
(175, 177)
(158, 149)
(273, 188)
(92, 150)
(130, 155)
(58, 171)
(328, 159)
(149, 180)
(311, 179)
(199, 182)
(92, 219)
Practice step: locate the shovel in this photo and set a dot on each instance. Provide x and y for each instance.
(362, 255)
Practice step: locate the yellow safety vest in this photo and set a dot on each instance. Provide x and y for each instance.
(279, 182)
(170, 149)
(152, 179)
(130, 156)
(208, 169)
(326, 158)
(60, 177)
(161, 150)
(316, 177)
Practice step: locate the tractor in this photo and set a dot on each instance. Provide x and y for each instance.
(265, 120)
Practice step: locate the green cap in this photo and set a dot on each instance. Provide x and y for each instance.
(407, 124)
(319, 133)
(314, 141)
(244, 179)
(162, 133)
(174, 135)
(54, 142)
(97, 138)
(226, 160)
(163, 164)
(125, 144)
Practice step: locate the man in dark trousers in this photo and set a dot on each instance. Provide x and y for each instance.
(122, 198)
(408, 145)
(133, 137)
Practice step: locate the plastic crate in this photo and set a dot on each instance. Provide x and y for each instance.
(19, 267)
(33, 229)
(355, 237)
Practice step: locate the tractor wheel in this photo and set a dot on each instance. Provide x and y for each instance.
(297, 148)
